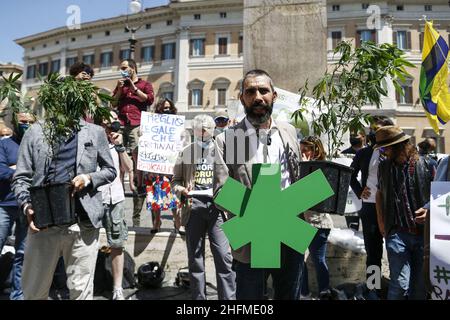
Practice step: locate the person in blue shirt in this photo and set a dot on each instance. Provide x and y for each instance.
(9, 209)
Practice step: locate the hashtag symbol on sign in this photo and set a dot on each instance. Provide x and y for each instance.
(441, 274)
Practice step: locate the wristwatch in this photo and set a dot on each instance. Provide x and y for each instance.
(120, 148)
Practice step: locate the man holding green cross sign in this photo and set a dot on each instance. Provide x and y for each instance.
(267, 211)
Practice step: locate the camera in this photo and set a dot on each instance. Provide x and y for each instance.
(127, 82)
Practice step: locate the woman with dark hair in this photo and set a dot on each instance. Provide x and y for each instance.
(160, 196)
(166, 106)
(81, 71)
(312, 149)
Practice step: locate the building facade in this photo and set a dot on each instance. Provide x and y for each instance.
(191, 51)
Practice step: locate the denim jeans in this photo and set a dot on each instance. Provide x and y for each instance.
(317, 251)
(405, 254)
(373, 240)
(250, 282)
(9, 215)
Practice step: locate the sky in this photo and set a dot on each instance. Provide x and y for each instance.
(22, 18)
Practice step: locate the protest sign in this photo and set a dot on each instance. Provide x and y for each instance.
(160, 142)
(440, 240)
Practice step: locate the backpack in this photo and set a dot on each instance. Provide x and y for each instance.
(103, 280)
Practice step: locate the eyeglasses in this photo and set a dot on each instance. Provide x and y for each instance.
(221, 120)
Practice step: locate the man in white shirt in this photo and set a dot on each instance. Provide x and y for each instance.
(260, 139)
(113, 203)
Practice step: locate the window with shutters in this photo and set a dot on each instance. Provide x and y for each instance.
(196, 97)
(43, 69)
(31, 72)
(336, 7)
(336, 37)
(55, 66)
(407, 96)
(89, 59)
(197, 47)
(365, 35)
(223, 45)
(402, 39)
(125, 54)
(168, 51)
(106, 59)
(70, 62)
(147, 54)
(428, 7)
(196, 93)
(241, 45)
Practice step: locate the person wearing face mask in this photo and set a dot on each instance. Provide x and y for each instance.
(5, 133)
(9, 209)
(356, 144)
(132, 95)
(258, 138)
(367, 160)
(222, 121)
(193, 184)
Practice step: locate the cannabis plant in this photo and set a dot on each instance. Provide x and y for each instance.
(10, 92)
(66, 101)
(358, 78)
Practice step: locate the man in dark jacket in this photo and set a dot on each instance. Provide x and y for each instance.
(9, 210)
(404, 180)
(367, 161)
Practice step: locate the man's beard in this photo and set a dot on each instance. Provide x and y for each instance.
(257, 119)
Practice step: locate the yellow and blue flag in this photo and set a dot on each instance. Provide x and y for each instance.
(433, 87)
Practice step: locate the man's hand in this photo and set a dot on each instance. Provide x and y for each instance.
(30, 218)
(382, 230)
(305, 157)
(80, 182)
(366, 193)
(421, 215)
(116, 138)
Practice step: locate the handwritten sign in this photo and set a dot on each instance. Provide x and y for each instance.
(440, 240)
(160, 142)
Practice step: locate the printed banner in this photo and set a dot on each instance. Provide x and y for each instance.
(160, 142)
(440, 240)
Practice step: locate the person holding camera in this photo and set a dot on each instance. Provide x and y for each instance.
(132, 95)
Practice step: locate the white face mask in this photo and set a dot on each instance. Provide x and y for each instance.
(5, 137)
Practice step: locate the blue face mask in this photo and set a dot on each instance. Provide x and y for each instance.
(124, 74)
(203, 144)
(23, 127)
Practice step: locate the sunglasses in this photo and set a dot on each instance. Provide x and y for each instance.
(221, 120)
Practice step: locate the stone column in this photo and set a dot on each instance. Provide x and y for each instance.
(63, 61)
(287, 38)
(385, 35)
(181, 69)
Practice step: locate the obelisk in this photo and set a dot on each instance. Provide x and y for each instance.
(287, 38)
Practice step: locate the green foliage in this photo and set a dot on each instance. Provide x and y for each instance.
(10, 90)
(357, 79)
(66, 101)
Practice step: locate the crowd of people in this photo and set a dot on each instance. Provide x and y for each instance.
(394, 187)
